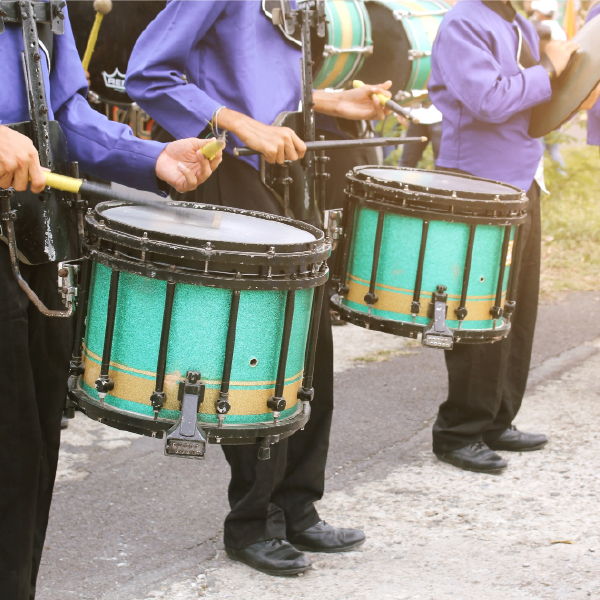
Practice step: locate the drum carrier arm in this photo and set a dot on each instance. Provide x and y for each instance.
(29, 14)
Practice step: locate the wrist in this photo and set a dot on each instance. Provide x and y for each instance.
(231, 120)
(548, 67)
(327, 103)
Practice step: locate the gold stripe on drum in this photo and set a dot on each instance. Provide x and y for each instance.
(130, 386)
(397, 300)
(347, 39)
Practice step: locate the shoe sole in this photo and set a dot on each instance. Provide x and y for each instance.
(278, 573)
(531, 449)
(493, 471)
(328, 550)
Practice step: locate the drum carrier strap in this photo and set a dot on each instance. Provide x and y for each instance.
(32, 15)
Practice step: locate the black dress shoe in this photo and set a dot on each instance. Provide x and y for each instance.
(514, 440)
(476, 457)
(273, 557)
(325, 538)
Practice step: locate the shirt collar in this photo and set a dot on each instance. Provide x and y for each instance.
(506, 11)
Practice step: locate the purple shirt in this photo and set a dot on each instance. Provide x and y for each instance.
(103, 148)
(484, 96)
(593, 127)
(197, 56)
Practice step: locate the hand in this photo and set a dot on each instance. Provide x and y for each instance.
(182, 165)
(19, 161)
(276, 144)
(559, 54)
(356, 104)
(87, 76)
(589, 102)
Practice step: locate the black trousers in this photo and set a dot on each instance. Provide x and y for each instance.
(486, 382)
(273, 498)
(34, 365)
(412, 153)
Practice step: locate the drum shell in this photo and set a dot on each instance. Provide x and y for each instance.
(443, 264)
(393, 39)
(197, 340)
(348, 27)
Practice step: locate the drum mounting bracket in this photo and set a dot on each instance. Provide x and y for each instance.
(185, 439)
(437, 334)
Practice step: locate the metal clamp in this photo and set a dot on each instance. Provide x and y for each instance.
(68, 279)
(334, 50)
(407, 14)
(416, 54)
(185, 439)
(332, 224)
(437, 334)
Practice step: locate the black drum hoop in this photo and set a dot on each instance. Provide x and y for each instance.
(228, 434)
(231, 280)
(412, 330)
(110, 230)
(432, 215)
(467, 205)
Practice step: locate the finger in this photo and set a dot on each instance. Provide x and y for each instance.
(216, 161)
(280, 154)
(38, 181)
(21, 178)
(6, 180)
(191, 182)
(270, 154)
(205, 172)
(290, 149)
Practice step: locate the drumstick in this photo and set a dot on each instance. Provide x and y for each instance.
(389, 103)
(343, 144)
(102, 7)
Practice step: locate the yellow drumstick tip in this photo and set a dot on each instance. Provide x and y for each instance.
(382, 99)
(212, 148)
(62, 182)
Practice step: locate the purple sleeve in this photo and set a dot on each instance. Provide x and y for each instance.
(156, 69)
(474, 77)
(103, 148)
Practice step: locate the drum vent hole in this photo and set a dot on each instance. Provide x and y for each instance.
(482, 279)
(253, 362)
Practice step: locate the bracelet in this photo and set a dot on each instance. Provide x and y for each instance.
(215, 120)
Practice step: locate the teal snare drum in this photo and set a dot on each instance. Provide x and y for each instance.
(403, 35)
(341, 53)
(429, 252)
(198, 322)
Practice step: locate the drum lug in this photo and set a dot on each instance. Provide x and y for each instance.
(185, 439)
(68, 276)
(437, 334)
(264, 452)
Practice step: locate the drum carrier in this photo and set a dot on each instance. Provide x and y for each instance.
(414, 195)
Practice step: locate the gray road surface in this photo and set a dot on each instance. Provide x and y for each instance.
(130, 524)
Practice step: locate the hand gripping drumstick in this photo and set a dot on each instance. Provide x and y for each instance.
(389, 103)
(102, 7)
(98, 190)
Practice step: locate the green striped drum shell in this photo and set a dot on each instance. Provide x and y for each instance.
(407, 199)
(348, 39)
(197, 339)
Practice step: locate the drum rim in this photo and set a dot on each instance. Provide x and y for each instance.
(412, 330)
(113, 231)
(516, 194)
(228, 434)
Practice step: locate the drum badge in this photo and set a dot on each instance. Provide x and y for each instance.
(114, 81)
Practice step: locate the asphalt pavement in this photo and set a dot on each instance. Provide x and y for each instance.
(127, 520)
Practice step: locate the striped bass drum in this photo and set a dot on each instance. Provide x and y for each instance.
(403, 35)
(341, 53)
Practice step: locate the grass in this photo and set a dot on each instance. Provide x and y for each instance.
(571, 223)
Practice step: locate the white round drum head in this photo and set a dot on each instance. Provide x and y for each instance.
(208, 224)
(436, 180)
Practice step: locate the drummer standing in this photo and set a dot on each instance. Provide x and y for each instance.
(223, 65)
(35, 349)
(486, 76)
